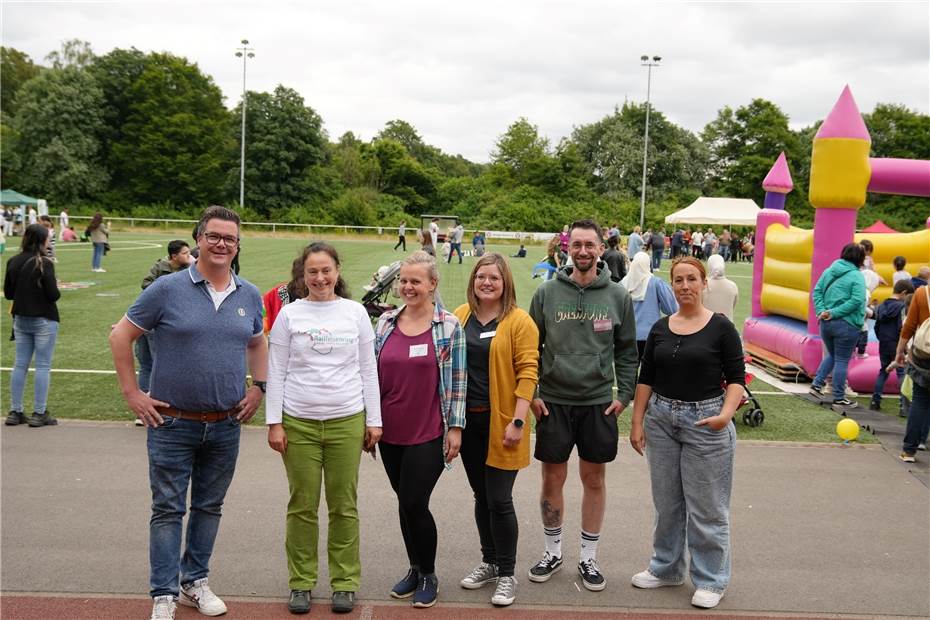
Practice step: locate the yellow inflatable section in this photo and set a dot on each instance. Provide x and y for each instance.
(915, 247)
(786, 272)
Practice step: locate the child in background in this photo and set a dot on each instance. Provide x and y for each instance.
(869, 261)
(889, 316)
(871, 283)
(899, 274)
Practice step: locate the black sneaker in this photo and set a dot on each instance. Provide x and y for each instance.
(545, 568)
(406, 586)
(875, 406)
(427, 591)
(15, 418)
(591, 576)
(343, 602)
(41, 419)
(815, 391)
(843, 402)
(299, 602)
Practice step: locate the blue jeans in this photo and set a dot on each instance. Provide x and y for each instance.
(691, 469)
(918, 419)
(183, 452)
(144, 354)
(840, 339)
(725, 252)
(97, 258)
(657, 258)
(453, 248)
(34, 335)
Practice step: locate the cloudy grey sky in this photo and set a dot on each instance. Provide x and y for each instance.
(461, 72)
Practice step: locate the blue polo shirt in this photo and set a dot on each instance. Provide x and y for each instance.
(200, 352)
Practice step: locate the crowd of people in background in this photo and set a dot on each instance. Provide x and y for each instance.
(427, 385)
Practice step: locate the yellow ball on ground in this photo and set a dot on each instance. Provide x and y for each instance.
(847, 429)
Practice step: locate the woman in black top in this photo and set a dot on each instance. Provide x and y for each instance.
(30, 283)
(690, 384)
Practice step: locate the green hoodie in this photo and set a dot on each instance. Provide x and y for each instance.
(841, 290)
(583, 331)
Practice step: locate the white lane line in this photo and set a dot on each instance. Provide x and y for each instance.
(71, 370)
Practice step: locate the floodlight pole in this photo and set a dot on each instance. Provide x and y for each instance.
(245, 52)
(649, 63)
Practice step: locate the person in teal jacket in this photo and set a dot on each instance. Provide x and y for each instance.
(839, 301)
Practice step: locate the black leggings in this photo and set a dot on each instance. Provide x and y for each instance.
(493, 489)
(413, 472)
(401, 241)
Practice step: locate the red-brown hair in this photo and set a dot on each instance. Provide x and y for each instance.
(688, 260)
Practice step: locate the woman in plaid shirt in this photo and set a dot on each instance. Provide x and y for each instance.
(421, 370)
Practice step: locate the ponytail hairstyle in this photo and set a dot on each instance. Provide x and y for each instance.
(298, 286)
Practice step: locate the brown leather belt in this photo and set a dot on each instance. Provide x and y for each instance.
(197, 416)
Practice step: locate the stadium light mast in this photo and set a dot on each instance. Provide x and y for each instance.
(649, 63)
(245, 52)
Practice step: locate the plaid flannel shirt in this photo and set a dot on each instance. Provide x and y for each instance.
(449, 342)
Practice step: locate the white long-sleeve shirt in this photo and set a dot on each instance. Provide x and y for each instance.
(321, 363)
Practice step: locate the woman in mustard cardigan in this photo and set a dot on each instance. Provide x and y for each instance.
(503, 351)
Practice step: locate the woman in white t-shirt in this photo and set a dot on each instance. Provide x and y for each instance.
(323, 408)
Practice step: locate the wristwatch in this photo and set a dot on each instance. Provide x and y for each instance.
(262, 385)
(517, 423)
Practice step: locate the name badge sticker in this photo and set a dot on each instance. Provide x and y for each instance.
(603, 325)
(418, 350)
(488, 334)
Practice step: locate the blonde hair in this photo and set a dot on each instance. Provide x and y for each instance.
(426, 259)
(508, 295)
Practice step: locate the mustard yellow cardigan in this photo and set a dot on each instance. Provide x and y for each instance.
(513, 364)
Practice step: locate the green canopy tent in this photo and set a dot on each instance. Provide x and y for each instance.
(13, 198)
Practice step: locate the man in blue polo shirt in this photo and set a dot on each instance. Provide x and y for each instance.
(207, 325)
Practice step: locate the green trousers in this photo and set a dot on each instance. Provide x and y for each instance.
(329, 452)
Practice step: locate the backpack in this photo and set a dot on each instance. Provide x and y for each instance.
(922, 335)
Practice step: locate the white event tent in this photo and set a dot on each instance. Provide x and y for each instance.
(717, 211)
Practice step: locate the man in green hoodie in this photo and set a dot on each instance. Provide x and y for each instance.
(587, 341)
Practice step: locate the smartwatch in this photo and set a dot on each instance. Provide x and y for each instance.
(262, 385)
(517, 423)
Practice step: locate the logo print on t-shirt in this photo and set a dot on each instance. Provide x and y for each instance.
(322, 340)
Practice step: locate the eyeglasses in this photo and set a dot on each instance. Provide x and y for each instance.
(228, 240)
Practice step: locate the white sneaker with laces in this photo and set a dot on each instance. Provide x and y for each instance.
(706, 599)
(198, 594)
(648, 581)
(163, 608)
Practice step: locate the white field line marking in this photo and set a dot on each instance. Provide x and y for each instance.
(71, 370)
(60, 247)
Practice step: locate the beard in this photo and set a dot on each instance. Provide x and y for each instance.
(592, 262)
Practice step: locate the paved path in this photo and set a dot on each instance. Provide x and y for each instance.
(816, 530)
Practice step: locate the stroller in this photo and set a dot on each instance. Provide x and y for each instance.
(376, 292)
(754, 416)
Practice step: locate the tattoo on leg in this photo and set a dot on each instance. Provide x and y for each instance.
(551, 517)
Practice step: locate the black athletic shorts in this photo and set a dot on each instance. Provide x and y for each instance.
(586, 426)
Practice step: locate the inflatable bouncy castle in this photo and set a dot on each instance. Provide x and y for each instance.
(789, 260)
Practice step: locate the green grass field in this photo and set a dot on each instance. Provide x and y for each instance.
(87, 314)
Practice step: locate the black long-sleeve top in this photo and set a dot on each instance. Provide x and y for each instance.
(691, 367)
(32, 291)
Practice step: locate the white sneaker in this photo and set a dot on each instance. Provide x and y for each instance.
(505, 592)
(480, 575)
(198, 594)
(163, 608)
(706, 598)
(648, 581)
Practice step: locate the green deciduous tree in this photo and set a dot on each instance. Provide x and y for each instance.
(176, 137)
(59, 116)
(284, 145)
(16, 68)
(73, 53)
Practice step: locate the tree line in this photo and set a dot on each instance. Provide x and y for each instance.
(147, 134)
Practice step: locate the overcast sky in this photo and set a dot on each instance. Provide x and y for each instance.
(461, 72)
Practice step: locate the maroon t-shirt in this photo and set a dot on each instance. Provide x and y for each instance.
(409, 378)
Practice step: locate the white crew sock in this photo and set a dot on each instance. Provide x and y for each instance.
(554, 541)
(589, 545)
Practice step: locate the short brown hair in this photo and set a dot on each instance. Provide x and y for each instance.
(508, 296)
(688, 260)
(216, 212)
